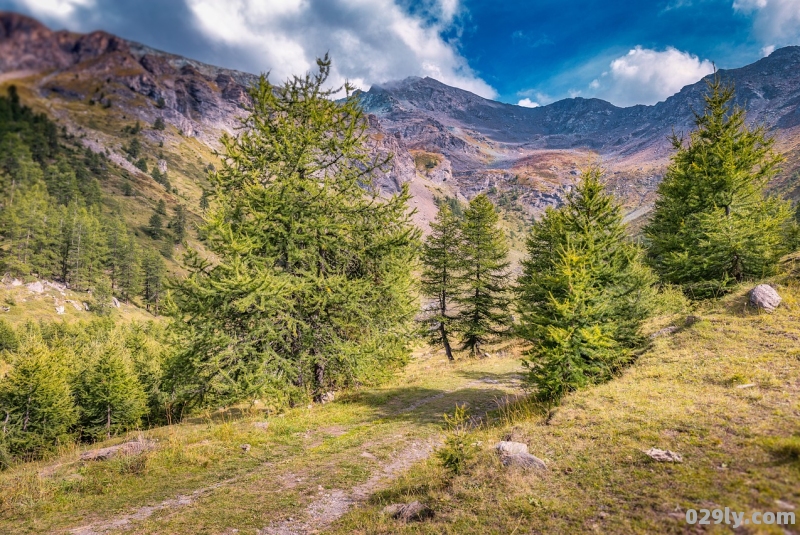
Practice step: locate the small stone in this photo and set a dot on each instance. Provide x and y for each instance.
(663, 332)
(60, 310)
(523, 460)
(368, 455)
(115, 302)
(691, 320)
(765, 297)
(408, 512)
(245, 448)
(664, 456)
(327, 397)
(748, 385)
(35, 287)
(261, 425)
(507, 447)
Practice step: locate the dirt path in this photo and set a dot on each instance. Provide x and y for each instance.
(311, 485)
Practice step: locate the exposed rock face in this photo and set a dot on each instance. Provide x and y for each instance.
(133, 447)
(765, 297)
(530, 154)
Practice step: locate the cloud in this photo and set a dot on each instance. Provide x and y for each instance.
(527, 103)
(54, 9)
(370, 41)
(644, 76)
(775, 22)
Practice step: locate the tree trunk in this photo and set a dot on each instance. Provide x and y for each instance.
(446, 342)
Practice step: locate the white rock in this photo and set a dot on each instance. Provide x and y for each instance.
(664, 456)
(523, 460)
(507, 447)
(35, 287)
(765, 297)
(115, 302)
(60, 310)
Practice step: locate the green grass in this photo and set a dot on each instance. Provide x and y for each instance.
(740, 445)
(300, 451)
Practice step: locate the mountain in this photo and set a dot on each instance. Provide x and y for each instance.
(485, 144)
(446, 141)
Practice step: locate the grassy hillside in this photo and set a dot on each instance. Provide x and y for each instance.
(722, 391)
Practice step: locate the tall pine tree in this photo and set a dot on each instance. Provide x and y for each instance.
(441, 264)
(484, 279)
(713, 224)
(583, 293)
(311, 289)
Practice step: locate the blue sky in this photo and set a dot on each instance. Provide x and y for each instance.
(529, 52)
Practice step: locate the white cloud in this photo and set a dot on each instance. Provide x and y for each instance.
(59, 10)
(644, 76)
(767, 50)
(527, 103)
(370, 41)
(775, 22)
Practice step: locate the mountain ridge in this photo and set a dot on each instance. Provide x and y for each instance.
(446, 141)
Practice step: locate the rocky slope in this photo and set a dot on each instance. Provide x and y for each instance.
(446, 141)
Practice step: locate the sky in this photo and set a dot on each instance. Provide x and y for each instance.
(526, 52)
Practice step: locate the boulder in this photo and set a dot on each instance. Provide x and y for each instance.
(115, 302)
(133, 447)
(507, 447)
(327, 397)
(35, 287)
(408, 512)
(765, 297)
(523, 460)
(664, 456)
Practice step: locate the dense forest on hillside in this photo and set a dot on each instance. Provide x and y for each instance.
(53, 222)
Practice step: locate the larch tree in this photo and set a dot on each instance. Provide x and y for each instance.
(583, 293)
(483, 282)
(310, 286)
(441, 264)
(713, 224)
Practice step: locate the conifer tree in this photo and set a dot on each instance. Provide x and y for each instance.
(153, 272)
(483, 282)
(178, 224)
(311, 288)
(713, 225)
(583, 293)
(129, 272)
(155, 226)
(110, 396)
(441, 264)
(36, 402)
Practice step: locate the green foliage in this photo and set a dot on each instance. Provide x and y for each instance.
(310, 288)
(36, 403)
(8, 338)
(110, 396)
(583, 293)
(141, 164)
(159, 124)
(160, 104)
(178, 224)
(134, 148)
(161, 207)
(457, 450)
(153, 273)
(155, 226)
(441, 264)
(483, 281)
(713, 225)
